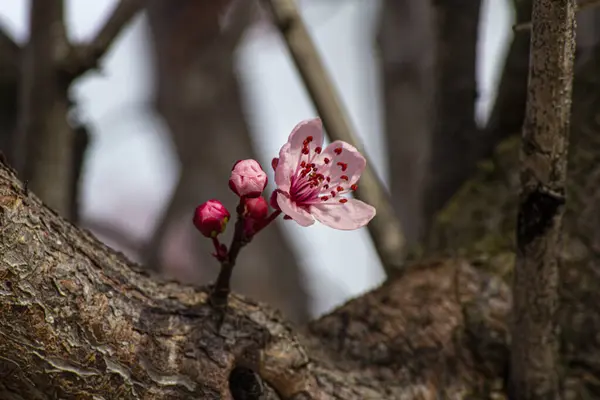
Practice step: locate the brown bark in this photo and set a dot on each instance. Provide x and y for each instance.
(534, 364)
(78, 321)
(199, 97)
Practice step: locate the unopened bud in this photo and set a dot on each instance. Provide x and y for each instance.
(211, 218)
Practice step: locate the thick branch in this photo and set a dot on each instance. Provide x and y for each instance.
(77, 319)
(534, 370)
(385, 228)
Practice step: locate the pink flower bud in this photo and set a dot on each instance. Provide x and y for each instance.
(247, 178)
(256, 208)
(211, 218)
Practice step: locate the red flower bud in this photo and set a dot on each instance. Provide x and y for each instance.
(211, 218)
(247, 178)
(256, 208)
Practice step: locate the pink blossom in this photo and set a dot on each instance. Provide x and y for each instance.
(211, 218)
(247, 178)
(311, 180)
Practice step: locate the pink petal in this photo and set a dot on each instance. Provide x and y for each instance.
(310, 127)
(354, 161)
(351, 215)
(289, 208)
(286, 168)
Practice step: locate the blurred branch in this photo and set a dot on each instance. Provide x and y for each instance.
(44, 143)
(581, 5)
(9, 49)
(385, 229)
(84, 57)
(451, 159)
(534, 348)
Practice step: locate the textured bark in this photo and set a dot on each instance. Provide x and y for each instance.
(534, 362)
(198, 95)
(78, 321)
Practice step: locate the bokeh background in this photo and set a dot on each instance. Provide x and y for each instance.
(179, 99)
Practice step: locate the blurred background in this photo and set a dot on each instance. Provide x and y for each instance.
(186, 91)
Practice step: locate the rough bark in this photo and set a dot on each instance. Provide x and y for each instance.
(545, 142)
(199, 97)
(78, 321)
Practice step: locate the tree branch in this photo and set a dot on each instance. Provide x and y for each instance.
(77, 319)
(85, 57)
(581, 5)
(385, 229)
(534, 369)
(44, 144)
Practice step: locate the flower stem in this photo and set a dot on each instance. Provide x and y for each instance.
(221, 289)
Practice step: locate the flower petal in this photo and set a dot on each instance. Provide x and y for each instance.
(351, 215)
(348, 162)
(286, 168)
(289, 208)
(310, 127)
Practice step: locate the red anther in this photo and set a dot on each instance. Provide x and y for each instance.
(325, 187)
(324, 198)
(343, 201)
(339, 189)
(344, 177)
(328, 179)
(318, 150)
(333, 193)
(326, 160)
(303, 164)
(342, 165)
(354, 187)
(309, 138)
(338, 151)
(305, 150)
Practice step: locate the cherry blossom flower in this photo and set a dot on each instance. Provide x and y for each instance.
(311, 181)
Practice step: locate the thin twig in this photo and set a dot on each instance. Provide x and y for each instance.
(581, 5)
(85, 57)
(385, 229)
(534, 346)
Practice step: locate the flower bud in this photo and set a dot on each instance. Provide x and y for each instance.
(247, 178)
(211, 218)
(256, 208)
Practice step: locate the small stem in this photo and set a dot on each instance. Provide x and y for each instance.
(220, 292)
(267, 221)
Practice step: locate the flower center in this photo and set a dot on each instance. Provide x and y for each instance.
(314, 181)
